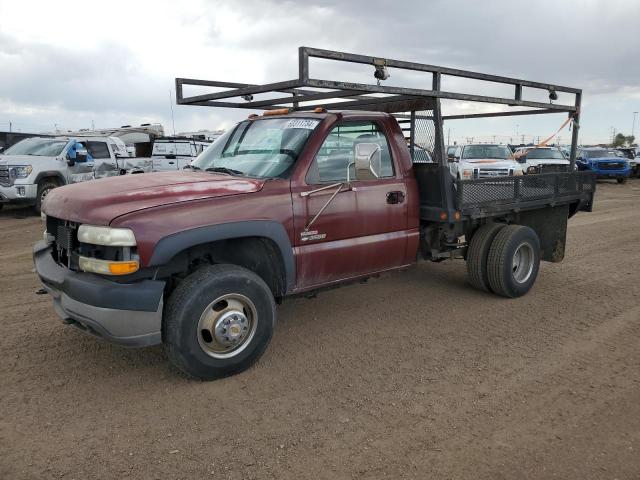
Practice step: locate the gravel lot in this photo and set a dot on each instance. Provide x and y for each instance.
(414, 375)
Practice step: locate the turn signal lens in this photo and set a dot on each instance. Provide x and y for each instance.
(123, 268)
(106, 267)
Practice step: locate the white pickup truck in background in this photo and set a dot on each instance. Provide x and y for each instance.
(483, 161)
(174, 153)
(542, 160)
(31, 168)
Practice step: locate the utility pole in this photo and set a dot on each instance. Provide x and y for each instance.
(633, 125)
(10, 125)
(449, 136)
(173, 123)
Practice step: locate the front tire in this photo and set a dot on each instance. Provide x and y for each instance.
(44, 188)
(514, 261)
(218, 321)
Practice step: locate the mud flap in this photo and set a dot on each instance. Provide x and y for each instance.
(550, 224)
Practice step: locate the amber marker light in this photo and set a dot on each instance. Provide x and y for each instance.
(278, 111)
(107, 267)
(123, 268)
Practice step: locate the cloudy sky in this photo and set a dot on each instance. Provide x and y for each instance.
(68, 64)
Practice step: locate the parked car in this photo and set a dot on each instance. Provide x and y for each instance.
(31, 168)
(604, 162)
(633, 157)
(483, 161)
(451, 150)
(172, 153)
(421, 155)
(541, 160)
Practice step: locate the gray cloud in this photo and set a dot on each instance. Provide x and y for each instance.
(589, 44)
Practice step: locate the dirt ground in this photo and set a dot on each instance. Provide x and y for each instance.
(413, 375)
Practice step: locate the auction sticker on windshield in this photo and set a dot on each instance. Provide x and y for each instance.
(302, 123)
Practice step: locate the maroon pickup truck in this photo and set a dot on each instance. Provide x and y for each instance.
(284, 203)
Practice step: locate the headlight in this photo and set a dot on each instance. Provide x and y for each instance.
(107, 236)
(20, 171)
(467, 173)
(532, 169)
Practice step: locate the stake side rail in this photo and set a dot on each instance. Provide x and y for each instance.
(359, 95)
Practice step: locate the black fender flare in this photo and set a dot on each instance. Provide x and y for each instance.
(50, 174)
(171, 245)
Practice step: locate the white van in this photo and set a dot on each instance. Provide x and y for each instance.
(175, 153)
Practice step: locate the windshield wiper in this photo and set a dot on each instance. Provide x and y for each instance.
(228, 171)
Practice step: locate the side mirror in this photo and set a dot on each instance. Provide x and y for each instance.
(368, 161)
(70, 161)
(81, 155)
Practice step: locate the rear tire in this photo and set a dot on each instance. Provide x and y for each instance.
(207, 308)
(621, 180)
(478, 253)
(514, 261)
(44, 188)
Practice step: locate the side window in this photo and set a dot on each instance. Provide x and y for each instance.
(99, 150)
(336, 153)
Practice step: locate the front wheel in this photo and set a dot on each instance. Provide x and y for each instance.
(44, 188)
(218, 321)
(513, 261)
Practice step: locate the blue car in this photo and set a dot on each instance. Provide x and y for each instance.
(604, 163)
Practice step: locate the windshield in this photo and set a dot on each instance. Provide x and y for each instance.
(499, 152)
(545, 153)
(44, 147)
(265, 148)
(600, 153)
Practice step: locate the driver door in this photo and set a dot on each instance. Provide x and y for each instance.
(81, 170)
(363, 229)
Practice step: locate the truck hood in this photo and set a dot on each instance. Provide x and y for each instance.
(23, 159)
(549, 161)
(100, 201)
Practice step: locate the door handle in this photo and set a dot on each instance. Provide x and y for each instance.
(395, 197)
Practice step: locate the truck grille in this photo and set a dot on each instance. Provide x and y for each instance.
(64, 239)
(493, 172)
(554, 168)
(5, 181)
(610, 166)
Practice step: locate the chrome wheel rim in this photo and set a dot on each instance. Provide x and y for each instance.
(227, 326)
(522, 263)
(44, 194)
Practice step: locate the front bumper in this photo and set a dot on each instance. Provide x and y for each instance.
(128, 314)
(613, 173)
(18, 193)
